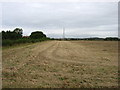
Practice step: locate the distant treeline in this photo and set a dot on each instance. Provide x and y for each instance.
(10, 38)
(96, 38)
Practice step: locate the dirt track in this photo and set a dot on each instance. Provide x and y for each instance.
(61, 64)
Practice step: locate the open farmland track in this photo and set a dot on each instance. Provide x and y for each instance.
(60, 64)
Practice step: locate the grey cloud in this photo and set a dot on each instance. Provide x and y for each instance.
(51, 17)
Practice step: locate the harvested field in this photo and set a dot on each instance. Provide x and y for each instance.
(61, 64)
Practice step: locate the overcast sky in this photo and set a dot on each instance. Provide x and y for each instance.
(80, 19)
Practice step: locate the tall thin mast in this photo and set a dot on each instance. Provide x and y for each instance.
(63, 33)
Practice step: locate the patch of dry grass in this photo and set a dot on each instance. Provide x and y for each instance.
(62, 64)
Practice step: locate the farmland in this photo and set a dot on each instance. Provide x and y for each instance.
(61, 64)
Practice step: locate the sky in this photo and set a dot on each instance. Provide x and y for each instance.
(80, 19)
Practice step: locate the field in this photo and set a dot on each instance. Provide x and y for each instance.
(61, 64)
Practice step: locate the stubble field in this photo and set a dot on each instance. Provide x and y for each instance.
(61, 64)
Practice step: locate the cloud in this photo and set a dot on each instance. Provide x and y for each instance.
(87, 17)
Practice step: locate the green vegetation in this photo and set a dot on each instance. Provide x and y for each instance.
(37, 35)
(12, 35)
(22, 40)
(90, 39)
(10, 38)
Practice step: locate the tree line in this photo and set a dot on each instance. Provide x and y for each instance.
(91, 38)
(10, 38)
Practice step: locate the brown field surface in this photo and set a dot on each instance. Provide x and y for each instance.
(61, 64)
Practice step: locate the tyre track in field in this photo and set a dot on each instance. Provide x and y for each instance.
(57, 64)
(30, 56)
(65, 51)
(62, 51)
(36, 53)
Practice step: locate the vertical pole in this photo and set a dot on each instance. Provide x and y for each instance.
(63, 33)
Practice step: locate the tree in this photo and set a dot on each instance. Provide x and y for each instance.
(12, 35)
(18, 31)
(37, 35)
(112, 38)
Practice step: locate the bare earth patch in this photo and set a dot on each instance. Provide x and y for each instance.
(61, 64)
